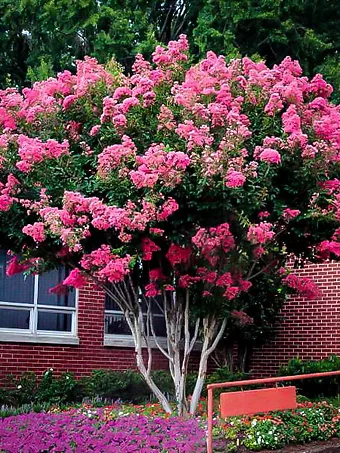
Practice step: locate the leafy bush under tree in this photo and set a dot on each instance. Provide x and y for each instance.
(312, 388)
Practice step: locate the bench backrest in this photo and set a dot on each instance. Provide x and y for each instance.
(251, 402)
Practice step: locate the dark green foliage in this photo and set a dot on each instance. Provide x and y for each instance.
(28, 389)
(311, 388)
(307, 30)
(39, 38)
(102, 386)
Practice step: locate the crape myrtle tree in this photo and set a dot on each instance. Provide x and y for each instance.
(179, 186)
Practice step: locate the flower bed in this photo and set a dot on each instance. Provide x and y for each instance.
(146, 428)
(310, 421)
(99, 431)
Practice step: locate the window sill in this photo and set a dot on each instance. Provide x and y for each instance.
(6, 337)
(126, 341)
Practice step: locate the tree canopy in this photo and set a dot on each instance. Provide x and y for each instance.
(181, 186)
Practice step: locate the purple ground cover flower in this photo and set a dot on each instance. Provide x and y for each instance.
(74, 432)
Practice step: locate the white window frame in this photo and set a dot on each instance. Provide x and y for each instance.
(32, 334)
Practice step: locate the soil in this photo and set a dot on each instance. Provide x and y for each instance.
(330, 446)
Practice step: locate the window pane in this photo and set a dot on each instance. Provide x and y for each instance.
(16, 288)
(47, 281)
(14, 319)
(60, 322)
(159, 326)
(116, 325)
(110, 304)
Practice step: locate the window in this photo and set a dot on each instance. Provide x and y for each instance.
(28, 311)
(117, 331)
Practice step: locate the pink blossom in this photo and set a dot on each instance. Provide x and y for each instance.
(274, 104)
(76, 279)
(231, 292)
(116, 155)
(94, 130)
(291, 120)
(121, 91)
(36, 231)
(157, 231)
(185, 281)
(235, 179)
(116, 269)
(14, 266)
(258, 252)
(210, 242)
(178, 255)
(260, 233)
(169, 207)
(328, 247)
(152, 290)
(148, 248)
(5, 202)
(169, 288)
(224, 280)
(33, 151)
(289, 214)
(303, 286)
(60, 290)
(156, 274)
(166, 119)
(158, 164)
(120, 121)
(245, 285)
(270, 155)
(68, 101)
(263, 214)
(320, 87)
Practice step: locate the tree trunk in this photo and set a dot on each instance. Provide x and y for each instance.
(212, 336)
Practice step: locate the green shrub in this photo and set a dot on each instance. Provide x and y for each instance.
(102, 386)
(225, 375)
(116, 385)
(312, 388)
(28, 389)
(64, 389)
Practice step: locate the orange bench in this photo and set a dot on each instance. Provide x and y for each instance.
(255, 401)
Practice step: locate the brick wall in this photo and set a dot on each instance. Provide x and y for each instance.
(90, 354)
(309, 329)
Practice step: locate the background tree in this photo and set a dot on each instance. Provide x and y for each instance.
(36, 33)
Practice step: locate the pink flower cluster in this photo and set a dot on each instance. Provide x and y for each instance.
(76, 279)
(211, 242)
(33, 151)
(260, 233)
(176, 52)
(50, 96)
(159, 164)
(178, 255)
(7, 190)
(304, 286)
(15, 266)
(36, 231)
(114, 156)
